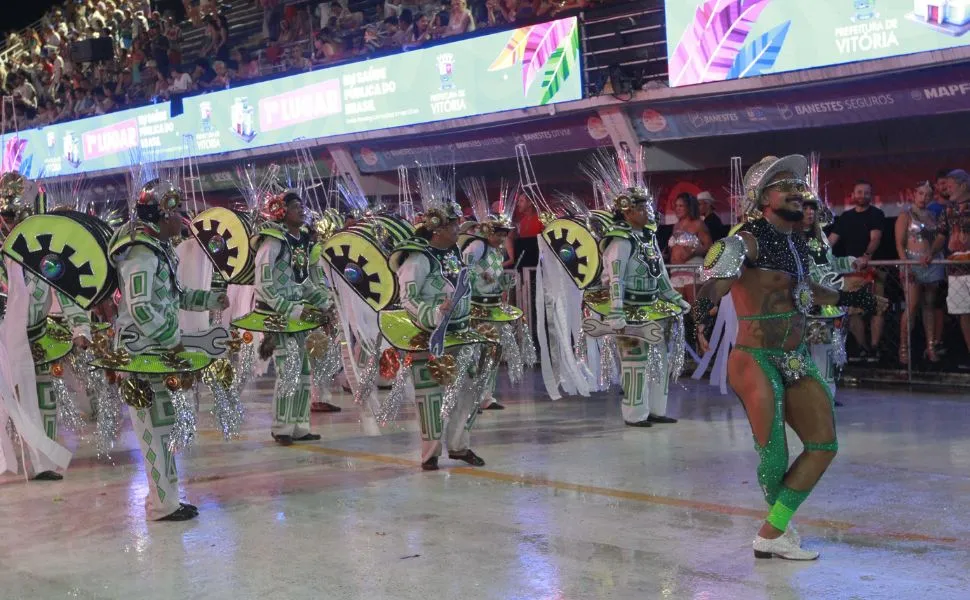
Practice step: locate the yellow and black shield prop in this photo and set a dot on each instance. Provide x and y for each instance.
(68, 250)
(226, 237)
(576, 248)
(359, 256)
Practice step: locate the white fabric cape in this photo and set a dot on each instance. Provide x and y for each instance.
(17, 377)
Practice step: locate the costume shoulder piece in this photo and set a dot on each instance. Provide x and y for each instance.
(123, 240)
(271, 230)
(724, 259)
(620, 230)
(464, 241)
(407, 248)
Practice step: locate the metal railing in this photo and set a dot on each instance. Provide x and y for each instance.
(899, 330)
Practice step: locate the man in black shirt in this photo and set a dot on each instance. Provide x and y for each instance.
(857, 233)
(711, 219)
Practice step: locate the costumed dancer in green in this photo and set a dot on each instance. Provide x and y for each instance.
(288, 306)
(436, 297)
(766, 269)
(637, 303)
(483, 250)
(148, 318)
(825, 336)
(30, 299)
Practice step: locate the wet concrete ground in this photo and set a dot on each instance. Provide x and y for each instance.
(571, 505)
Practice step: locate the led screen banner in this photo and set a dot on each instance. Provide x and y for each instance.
(718, 40)
(531, 66)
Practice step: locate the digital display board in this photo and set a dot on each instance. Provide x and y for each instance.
(718, 40)
(526, 67)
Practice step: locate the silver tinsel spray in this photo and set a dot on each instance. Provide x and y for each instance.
(487, 363)
(368, 378)
(324, 369)
(68, 414)
(510, 352)
(467, 356)
(609, 364)
(244, 362)
(395, 399)
(108, 424)
(227, 406)
(678, 347)
(289, 375)
(528, 348)
(185, 424)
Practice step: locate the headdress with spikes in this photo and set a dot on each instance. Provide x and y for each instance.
(489, 221)
(153, 193)
(619, 180)
(437, 189)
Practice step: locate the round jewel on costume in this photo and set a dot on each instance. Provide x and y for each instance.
(52, 266)
(300, 258)
(353, 273)
(217, 244)
(567, 254)
(803, 298)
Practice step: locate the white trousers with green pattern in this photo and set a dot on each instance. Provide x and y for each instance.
(291, 414)
(428, 395)
(152, 427)
(641, 397)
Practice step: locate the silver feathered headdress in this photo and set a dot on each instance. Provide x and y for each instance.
(437, 190)
(489, 221)
(619, 179)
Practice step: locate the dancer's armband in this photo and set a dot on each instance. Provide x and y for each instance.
(724, 259)
(863, 299)
(703, 307)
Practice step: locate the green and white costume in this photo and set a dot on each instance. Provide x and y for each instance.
(488, 284)
(151, 298)
(427, 277)
(826, 341)
(640, 291)
(283, 290)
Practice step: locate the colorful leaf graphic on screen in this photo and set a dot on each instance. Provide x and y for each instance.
(542, 42)
(557, 68)
(761, 54)
(513, 51)
(707, 50)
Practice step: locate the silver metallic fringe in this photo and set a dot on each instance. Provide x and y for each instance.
(530, 357)
(227, 406)
(108, 424)
(244, 362)
(185, 424)
(289, 375)
(511, 353)
(609, 363)
(839, 356)
(68, 414)
(678, 348)
(395, 399)
(323, 370)
(466, 357)
(481, 389)
(580, 350)
(368, 378)
(93, 380)
(655, 363)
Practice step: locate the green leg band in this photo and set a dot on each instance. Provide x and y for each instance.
(822, 446)
(788, 502)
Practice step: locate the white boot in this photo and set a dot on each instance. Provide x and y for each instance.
(792, 534)
(782, 547)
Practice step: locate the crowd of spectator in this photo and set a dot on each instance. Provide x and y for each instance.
(48, 86)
